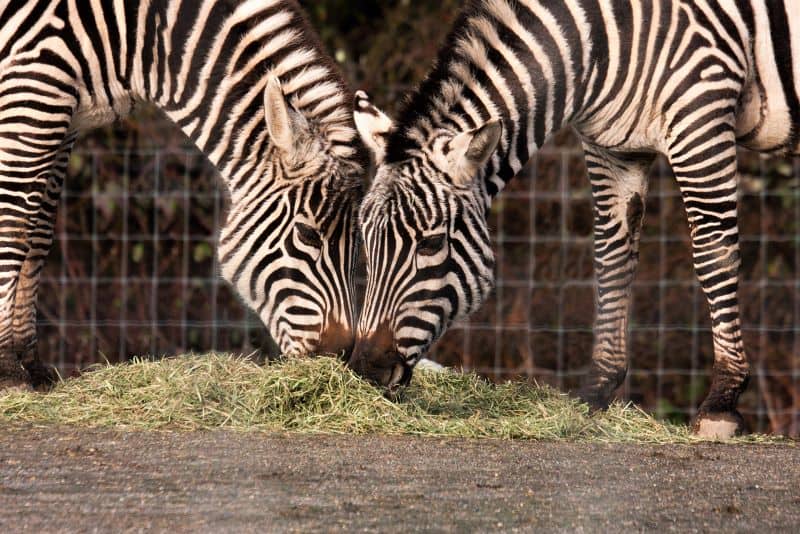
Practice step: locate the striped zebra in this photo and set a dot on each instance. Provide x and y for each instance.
(687, 79)
(248, 82)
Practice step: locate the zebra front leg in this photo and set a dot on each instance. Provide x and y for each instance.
(21, 210)
(619, 189)
(40, 241)
(30, 139)
(705, 166)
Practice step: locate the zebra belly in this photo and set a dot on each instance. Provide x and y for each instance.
(769, 111)
(92, 114)
(764, 121)
(761, 123)
(105, 106)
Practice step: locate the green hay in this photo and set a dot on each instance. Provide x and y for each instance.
(320, 395)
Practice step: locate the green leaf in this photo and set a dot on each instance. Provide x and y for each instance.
(137, 252)
(202, 251)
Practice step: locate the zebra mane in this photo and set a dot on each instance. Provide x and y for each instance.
(418, 105)
(343, 112)
(332, 122)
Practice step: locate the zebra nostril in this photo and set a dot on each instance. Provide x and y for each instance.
(408, 372)
(376, 367)
(400, 378)
(396, 378)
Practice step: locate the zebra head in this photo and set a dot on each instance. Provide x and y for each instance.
(429, 257)
(290, 242)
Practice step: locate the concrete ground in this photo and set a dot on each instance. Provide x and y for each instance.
(68, 480)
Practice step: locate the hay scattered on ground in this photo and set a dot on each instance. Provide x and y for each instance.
(320, 395)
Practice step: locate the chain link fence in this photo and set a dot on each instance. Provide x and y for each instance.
(133, 272)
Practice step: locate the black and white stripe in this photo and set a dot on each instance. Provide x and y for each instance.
(690, 80)
(249, 83)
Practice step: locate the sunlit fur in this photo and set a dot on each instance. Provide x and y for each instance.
(248, 82)
(687, 79)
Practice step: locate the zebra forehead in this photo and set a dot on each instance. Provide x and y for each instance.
(404, 203)
(344, 181)
(347, 186)
(378, 205)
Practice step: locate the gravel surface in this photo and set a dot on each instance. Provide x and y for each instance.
(64, 479)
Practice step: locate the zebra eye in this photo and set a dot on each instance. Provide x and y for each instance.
(431, 245)
(308, 236)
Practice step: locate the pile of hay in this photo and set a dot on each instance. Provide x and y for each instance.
(320, 395)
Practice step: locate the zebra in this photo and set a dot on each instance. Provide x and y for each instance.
(249, 83)
(687, 79)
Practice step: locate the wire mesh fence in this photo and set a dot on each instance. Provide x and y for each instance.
(133, 272)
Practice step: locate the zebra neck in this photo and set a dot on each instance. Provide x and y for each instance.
(205, 63)
(523, 62)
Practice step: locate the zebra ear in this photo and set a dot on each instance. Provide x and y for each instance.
(373, 125)
(469, 151)
(280, 122)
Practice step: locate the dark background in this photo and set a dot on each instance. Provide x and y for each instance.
(133, 273)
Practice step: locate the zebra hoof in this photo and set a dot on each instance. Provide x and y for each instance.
(599, 387)
(13, 377)
(42, 377)
(596, 400)
(719, 425)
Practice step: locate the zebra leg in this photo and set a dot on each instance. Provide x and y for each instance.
(619, 189)
(40, 241)
(31, 135)
(705, 165)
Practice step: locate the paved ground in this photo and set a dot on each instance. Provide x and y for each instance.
(68, 480)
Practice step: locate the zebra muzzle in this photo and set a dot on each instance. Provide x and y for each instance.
(336, 339)
(384, 368)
